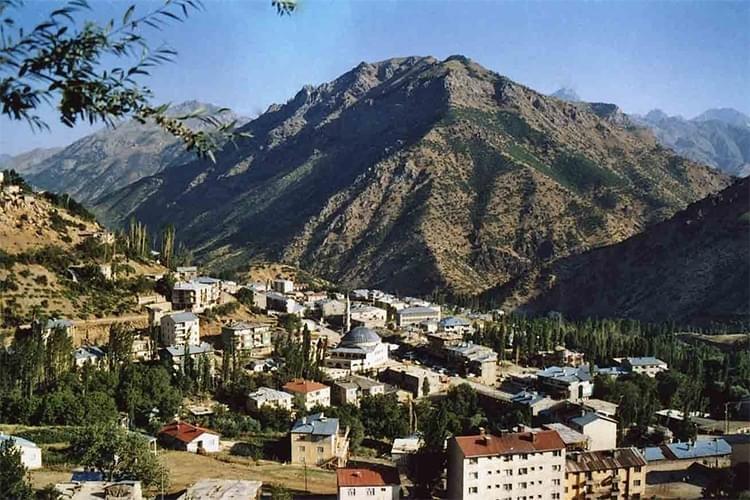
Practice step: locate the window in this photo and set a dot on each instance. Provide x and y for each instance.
(637, 469)
(474, 475)
(508, 472)
(473, 461)
(524, 456)
(507, 487)
(320, 450)
(507, 458)
(489, 472)
(522, 471)
(301, 449)
(352, 492)
(489, 486)
(557, 453)
(556, 482)
(556, 468)
(637, 482)
(370, 492)
(473, 490)
(555, 496)
(523, 486)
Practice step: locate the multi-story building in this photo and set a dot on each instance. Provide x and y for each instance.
(567, 382)
(601, 430)
(265, 396)
(453, 324)
(370, 483)
(195, 296)
(319, 440)
(312, 393)
(649, 365)
(510, 466)
(282, 286)
(178, 329)
(351, 389)
(368, 316)
(415, 315)
(617, 474)
(243, 336)
(201, 353)
(474, 359)
(413, 379)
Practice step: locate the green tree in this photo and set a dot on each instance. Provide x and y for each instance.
(384, 417)
(426, 387)
(13, 483)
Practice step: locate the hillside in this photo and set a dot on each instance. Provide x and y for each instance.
(415, 173)
(691, 267)
(111, 158)
(51, 251)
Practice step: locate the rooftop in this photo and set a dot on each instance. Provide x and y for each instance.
(604, 460)
(566, 374)
(357, 381)
(302, 386)
(190, 285)
(24, 443)
(317, 424)
(360, 335)
(569, 436)
(521, 442)
(223, 489)
(453, 321)
(366, 477)
(589, 417)
(645, 361)
(184, 432)
(688, 450)
(183, 316)
(192, 350)
(243, 325)
(418, 311)
(88, 351)
(266, 393)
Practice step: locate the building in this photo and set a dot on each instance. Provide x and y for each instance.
(180, 328)
(186, 273)
(559, 356)
(143, 348)
(403, 449)
(601, 430)
(359, 350)
(376, 484)
(474, 359)
(31, 454)
(176, 355)
(196, 296)
(351, 389)
(312, 393)
(600, 406)
(265, 396)
(574, 440)
(514, 465)
(156, 311)
(86, 490)
(415, 315)
(711, 452)
(276, 301)
(63, 324)
(413, 379)
(243, 336)
(534, 401)
(318, 440)
(223, 489)
(453, 324)
(616, 474)
(368, 316)
(88, 355)
(740, 444)
(282, 286)
(188, 437)
(648, 366)
(573, 384)
(327, 308)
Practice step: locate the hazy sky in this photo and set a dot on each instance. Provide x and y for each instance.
(680, 56)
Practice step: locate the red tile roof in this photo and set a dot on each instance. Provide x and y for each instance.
(303, 386)
(183, 431)
(366, 477)
(522, 442)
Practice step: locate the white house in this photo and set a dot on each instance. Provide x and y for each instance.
(195, 295)
(312, 393)
(188, 437)
(244, 336)
(371, 484)
(601, 430)
(88, 355)
(265, 396)
(282, 286)
(647, 365)
(180, 328)
(31, 454)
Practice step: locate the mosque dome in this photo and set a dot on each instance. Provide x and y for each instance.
(360, 336)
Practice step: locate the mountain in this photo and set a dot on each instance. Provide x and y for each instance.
(566, 94)
(691, 267)
(27, 162)
(113, 157)
(414, 174)
(718, 137)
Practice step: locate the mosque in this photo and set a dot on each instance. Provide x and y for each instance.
(359, 350)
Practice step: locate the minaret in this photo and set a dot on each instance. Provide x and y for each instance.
(348, 319)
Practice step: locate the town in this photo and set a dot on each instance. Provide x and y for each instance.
(359, 394)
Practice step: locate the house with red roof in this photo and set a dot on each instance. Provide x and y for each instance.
(381, 483)
(312, 393)
(510, 465)
(187, 437)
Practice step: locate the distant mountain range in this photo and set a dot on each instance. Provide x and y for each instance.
(717, 137)
(414, 174)
(109, 159)
(693, 267)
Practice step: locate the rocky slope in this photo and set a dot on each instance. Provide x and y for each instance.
(415, 173)
(691, 267)
(111, 158)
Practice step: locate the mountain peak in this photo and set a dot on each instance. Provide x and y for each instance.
(566, 94)
(729, 116)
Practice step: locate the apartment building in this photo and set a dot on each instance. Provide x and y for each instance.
(196, 296)
(243, 336)
(351, 389)
(648, 365)
(265, 396)
(615, 474)
(417, 314)
(312, 393)
(180, 328)
(318, 440)
(517, 466)
(369, 483)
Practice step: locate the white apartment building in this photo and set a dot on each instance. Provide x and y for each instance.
(312, 393)
(601, 430)
(513, 466)
(243, 336)
(180, 328)
(370, 484)
(196, 296)
(648, 365)
(282, 286)
(417, 314)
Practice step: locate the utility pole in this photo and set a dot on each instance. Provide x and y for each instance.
(726, 417)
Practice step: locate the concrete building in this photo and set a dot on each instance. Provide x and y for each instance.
(327, 308)
(712, 452)
(474, 359)
(601, 430)
(614, 474)
(86, 490)
(180, 328)
(156, 311)
(62, 324)
(573, 384)
(312, 393)
(517, 465)
(359, 350)
(276, 301)
(574, 440)
(195, 296)
(265, 396)
(188, 437)
(31, 454)
(351, 389)
(282, 286)
(559, 356)
(371, 484)
(186, 273)
(176, 355)
(223, 489)
(88, 355)
(648, 365)
(368, 316)
(453, 324)
(534, 401)
(318, 440)
(403, 449)
(412, 379)
(244, 336)
(415, 315)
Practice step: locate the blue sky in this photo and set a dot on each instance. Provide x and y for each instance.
(680, 56)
